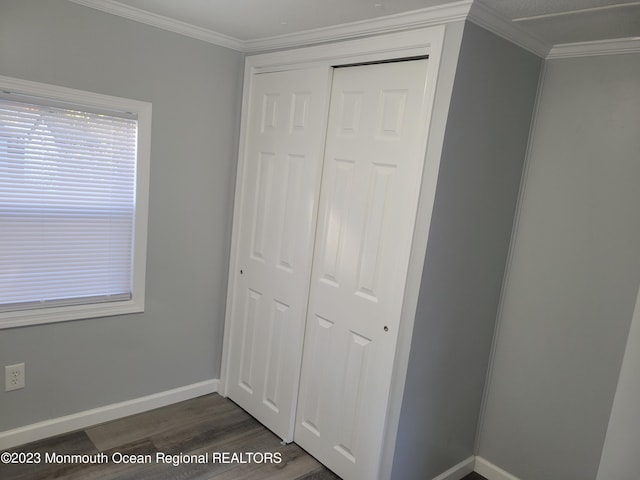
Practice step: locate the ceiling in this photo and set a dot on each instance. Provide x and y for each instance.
(249, 22)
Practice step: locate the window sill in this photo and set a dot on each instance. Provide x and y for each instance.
(64, 314)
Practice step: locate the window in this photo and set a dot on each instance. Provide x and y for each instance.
(74, 170)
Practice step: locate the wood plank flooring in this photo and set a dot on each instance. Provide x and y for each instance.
(196, 429)
(474, 476)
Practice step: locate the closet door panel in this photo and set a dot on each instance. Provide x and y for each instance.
(274, 237)
(373, 163)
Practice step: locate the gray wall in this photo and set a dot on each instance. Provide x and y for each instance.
(573, 275)
(195, 89)
(622, 444)
(480, 171)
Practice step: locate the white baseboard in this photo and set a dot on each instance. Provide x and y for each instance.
(490, 471)
(77, 421)
(457, 471)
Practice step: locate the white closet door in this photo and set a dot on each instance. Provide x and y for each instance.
(274, 242)
(372, 168)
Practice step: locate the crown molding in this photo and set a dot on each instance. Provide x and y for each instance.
(414, 19)
(495, 22)
(472, 10)
(165, 23)
(600, 47)
(436, 15)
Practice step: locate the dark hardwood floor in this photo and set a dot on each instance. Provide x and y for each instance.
(474, 476)
(208, 429)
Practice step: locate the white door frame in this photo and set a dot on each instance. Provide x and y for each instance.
(412, 43)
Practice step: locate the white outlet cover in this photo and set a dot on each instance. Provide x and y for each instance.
(13, 377)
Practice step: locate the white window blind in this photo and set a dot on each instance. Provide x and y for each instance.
(67, 205)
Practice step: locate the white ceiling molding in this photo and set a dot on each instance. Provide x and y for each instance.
(599, 47)
(473, 10)
(493, 21)
(402, 21)
(425, 17)
(165, 23)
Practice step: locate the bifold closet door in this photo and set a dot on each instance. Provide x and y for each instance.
(273, 235)
(373, 163)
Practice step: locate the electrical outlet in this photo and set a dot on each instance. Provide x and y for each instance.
(13, 377)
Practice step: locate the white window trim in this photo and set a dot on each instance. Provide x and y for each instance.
(106, 102)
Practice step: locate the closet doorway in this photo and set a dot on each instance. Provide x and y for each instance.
(328, 189)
